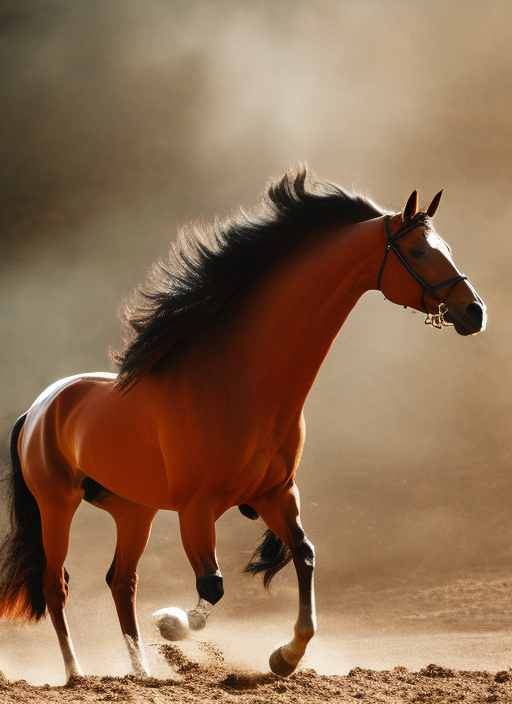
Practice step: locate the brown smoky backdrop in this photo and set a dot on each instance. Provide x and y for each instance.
(122, 120)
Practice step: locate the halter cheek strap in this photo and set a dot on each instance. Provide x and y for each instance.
(391, 246)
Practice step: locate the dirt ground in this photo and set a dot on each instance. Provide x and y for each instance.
(211, 680)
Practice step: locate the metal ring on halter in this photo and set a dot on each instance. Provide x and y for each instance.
(438, 320)
(391, 246)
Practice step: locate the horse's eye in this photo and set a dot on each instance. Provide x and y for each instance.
(417, 253)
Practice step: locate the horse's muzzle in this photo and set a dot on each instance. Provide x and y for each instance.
(468, 321)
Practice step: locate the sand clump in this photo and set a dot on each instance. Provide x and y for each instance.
(209, 678)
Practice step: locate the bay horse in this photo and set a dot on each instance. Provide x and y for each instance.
(206, 410)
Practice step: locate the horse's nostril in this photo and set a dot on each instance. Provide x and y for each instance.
(475, 312)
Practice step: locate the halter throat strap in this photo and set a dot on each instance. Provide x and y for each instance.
(391, 246)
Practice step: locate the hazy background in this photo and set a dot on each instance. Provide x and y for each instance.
(122, 120)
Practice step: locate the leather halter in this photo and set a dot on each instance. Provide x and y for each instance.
(391, 246)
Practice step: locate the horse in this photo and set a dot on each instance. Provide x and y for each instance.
(205, 411)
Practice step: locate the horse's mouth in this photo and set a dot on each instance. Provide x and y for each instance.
(459, 328)
(469, 321)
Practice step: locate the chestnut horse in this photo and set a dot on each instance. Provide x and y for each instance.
(206, 411)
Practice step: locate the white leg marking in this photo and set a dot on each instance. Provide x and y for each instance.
(68, 653)
(197, 617)
(137, 655)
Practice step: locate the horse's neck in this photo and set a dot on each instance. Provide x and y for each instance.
(275, 336)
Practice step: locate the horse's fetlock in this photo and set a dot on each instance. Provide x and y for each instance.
(305, 633)
(210, 587)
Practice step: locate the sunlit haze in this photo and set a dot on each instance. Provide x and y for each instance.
(122, 121)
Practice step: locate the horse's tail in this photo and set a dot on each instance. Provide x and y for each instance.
(22, 558)
(270, 556)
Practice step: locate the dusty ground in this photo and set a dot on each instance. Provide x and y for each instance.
(211, 680)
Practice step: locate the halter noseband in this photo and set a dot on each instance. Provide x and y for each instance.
(391, 246)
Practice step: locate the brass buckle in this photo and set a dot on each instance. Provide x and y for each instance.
(437, 320)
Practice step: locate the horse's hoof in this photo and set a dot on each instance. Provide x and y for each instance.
(196, 620)
(75, 680)
(172, 623)
(279, 665)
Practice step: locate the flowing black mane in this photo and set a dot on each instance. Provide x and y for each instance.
(208, 262)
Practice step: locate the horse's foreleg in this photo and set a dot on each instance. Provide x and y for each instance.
(281, 514)
(133, 524)
(285, 659)
(197, 528)
(56, 523)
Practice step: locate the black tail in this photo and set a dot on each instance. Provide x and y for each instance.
(270, 556)
(22, 558)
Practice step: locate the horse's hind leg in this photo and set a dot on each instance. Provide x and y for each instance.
(133, 523)
(55, 524)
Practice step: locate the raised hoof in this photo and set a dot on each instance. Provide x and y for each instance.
(172, 623)
(279, 665)
(196, 621)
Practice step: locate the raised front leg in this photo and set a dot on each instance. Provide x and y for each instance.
(197, 526)
(280, 511)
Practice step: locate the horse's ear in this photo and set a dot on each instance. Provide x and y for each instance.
(431, 210)
(411, 207)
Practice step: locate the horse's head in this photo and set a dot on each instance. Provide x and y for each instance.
(418, 271)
